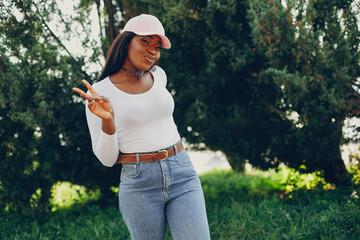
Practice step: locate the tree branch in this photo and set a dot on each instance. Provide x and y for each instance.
(56, 38)
(51, 32)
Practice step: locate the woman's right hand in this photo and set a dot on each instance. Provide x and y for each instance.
(99, 105)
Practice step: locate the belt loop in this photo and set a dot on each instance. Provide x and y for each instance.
(175, 147)
(137, 158)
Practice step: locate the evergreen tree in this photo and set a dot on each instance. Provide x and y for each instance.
(313, 53)
(213, 69)
(43, 132)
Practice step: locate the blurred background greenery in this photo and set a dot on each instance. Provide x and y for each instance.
(268, 83)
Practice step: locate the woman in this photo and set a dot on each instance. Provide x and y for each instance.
(130, 111)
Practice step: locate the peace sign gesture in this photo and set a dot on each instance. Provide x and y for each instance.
(99, 105)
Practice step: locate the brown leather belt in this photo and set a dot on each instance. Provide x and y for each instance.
(149, 157)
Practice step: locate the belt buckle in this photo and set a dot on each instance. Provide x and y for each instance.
(166, 154)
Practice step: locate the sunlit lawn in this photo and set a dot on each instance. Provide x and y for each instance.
(260, 205)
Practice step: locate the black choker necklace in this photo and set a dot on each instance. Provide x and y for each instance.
(133, 73)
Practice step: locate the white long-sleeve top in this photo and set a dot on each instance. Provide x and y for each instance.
(144, 122)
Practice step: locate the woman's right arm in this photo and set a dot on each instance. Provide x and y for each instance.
(100, 119)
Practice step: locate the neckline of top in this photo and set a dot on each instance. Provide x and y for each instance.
(134, 94)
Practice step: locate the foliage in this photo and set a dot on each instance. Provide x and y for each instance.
(282, 182)
(354, 160)
(43, 134)
(235, 86)
(312, 48)
(355, 171)
(265, 83)
(66, 194)
(311, 215)
(219, 185)
(212, 70)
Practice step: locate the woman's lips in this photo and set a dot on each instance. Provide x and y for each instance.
(150, 59)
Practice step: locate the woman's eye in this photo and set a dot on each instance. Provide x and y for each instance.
(145, 41)
(158, 48)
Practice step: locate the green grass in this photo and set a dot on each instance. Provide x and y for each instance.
(274, 219)
(87, 222)
(239, 206)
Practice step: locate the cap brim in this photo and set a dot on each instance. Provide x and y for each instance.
(165, 42)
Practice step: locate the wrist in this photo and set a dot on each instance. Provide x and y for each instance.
(108, 126)
(109, 117)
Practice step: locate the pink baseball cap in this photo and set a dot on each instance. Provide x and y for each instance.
(146, 24)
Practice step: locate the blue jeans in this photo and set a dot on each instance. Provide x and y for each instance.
(153, 194)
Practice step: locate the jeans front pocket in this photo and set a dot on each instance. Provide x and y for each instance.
(131, 170)
(183, 158)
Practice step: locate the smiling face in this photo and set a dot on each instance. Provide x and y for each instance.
(143, 52)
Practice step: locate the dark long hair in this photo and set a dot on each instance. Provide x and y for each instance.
(117, 54)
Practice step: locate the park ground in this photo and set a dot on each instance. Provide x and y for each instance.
(281, 204)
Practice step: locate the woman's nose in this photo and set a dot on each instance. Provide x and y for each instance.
(151, 51)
